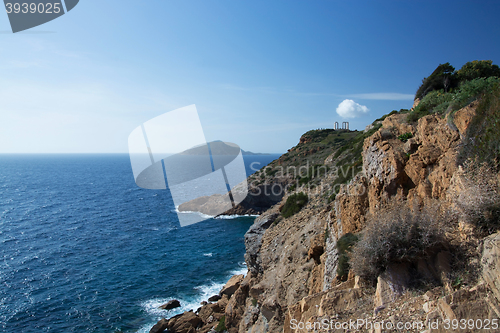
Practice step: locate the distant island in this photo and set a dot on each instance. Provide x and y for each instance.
(219, 147)
(244, 152)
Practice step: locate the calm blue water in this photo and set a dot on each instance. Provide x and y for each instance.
(83, 249)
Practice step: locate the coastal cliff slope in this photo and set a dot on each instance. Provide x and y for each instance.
(395, 224)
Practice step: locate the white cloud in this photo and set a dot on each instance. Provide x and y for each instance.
(350, 109)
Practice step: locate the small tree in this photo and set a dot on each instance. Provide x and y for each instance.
(443, 77)
(477, 69)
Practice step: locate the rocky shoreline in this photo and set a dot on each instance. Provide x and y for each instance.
(209, 317)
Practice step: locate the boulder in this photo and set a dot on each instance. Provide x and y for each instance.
(232, 285)
(187, 322)
(214, 298)
(210, 312)
(170, 305)
(160, 326)
(391, 284)
(463, 117)
(490, 263)
(222, 302)
(410, 146)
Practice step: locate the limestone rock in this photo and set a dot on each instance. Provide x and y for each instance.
(210, 310)
(184, 323)
(352, 204)
(254, 200)
(232, 285)
(410, 146)
(160, 326)
(259, 198)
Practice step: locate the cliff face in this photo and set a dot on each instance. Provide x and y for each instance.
(293, 262)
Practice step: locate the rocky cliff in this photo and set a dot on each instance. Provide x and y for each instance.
(299, 276)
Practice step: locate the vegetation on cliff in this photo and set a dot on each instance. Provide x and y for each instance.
(445, 78)
(344, 245)
(446, 90)
(483, 140)
(294, 204)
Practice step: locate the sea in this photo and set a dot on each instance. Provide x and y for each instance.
(84, 249)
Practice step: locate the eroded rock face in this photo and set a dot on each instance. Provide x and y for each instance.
(351, 206)
(253, 241)
(418, 169)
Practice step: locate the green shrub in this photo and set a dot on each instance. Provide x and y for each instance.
(405, 137)
(344, 245)
(294, 204)
(318, 170)
(470, 90)
(436, 101)
(397, 235)
(332, 196)
(221, 327)
(304, 180)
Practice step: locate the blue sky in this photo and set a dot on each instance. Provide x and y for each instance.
(261, 73)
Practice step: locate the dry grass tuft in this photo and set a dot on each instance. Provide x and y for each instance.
(479, 198)
(397, 235)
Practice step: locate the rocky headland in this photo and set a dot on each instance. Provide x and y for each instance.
(401, 225)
